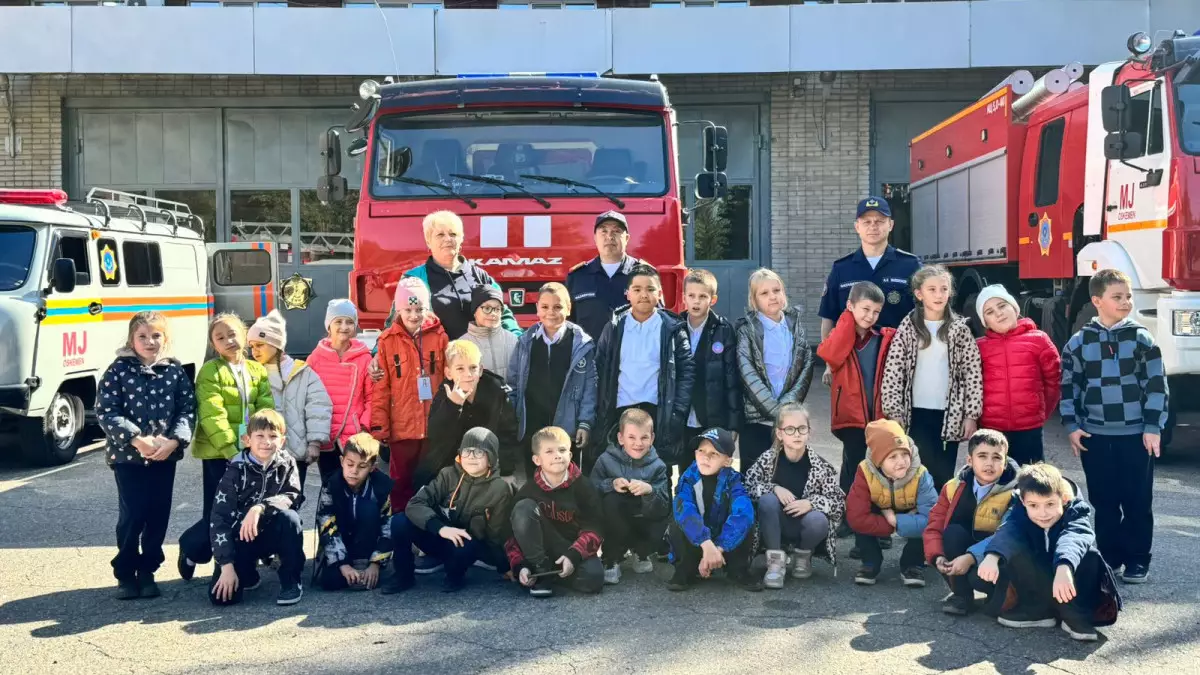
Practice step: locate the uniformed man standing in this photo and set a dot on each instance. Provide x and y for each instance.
(597, 287)
(876, 261)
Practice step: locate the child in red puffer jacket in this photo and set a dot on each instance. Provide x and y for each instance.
(1022, 374)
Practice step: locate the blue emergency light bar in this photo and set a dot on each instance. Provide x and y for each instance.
(470, 76)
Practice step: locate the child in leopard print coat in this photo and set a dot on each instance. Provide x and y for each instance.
(933, 376)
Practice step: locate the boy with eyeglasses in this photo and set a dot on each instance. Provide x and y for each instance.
(455, 519)
(495, 342)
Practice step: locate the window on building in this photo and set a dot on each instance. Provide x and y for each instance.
(202, 202)
(108, 253)
(241, 267)
(722, 227)
(546, 4)
(326, 230)
(699, 3)
(1049, 161)
(262, 215)
(143, 263)
(76, 249)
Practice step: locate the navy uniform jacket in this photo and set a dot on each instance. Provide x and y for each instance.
(892, 275)
(594, 295)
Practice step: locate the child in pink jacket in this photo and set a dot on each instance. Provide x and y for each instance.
(341, 361)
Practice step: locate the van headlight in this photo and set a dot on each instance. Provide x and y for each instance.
(1185, 322)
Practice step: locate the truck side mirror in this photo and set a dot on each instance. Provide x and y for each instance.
(62, 275)
(1122, 146)
(331, 152)
(1116, 112)
(357, 147)
(716, 148)
(713, 185)
(331, 189)
(362, 113)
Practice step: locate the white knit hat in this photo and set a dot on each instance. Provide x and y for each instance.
(994, 291)
(340, 307)
(271, 329)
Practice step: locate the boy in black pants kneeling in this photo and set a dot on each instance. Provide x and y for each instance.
(555, 522)
(252, 516)
(1048, 548)
(354, 519)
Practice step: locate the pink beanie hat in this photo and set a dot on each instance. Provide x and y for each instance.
(411, 291)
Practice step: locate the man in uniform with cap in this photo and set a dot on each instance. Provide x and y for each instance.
(597, 287)
(876, 261)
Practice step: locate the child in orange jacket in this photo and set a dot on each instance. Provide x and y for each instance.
(410, 354)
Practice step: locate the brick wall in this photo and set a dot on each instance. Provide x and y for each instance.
(814, 185)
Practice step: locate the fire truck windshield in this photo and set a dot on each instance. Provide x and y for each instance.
(16, 255)
(1189, 117)
(614, 152)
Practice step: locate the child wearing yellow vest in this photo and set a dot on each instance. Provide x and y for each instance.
(891, 492)
(972, 505)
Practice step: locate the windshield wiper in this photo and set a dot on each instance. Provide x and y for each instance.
(574, 183)
(502, 183)
(432, 186)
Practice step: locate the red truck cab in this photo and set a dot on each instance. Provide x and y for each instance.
(527, 162)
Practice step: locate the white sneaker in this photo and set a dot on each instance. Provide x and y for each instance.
(776, 569)
(612, 575)
(641, 566)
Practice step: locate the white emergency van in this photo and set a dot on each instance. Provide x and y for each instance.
(71, 277)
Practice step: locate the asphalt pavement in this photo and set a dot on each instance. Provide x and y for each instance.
(57, 613)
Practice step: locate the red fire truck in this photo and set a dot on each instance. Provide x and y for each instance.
(1038, 186)
(528, 161)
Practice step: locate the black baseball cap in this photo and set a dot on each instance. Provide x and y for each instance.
(721, 439)
(874, 204)
(614, 216)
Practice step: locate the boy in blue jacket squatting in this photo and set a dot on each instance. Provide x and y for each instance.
(713, 517)
(1048, 547)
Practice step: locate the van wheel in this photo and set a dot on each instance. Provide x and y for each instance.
(54, 438)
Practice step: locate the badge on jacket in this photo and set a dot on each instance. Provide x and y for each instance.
(894, 297)
(718, 348)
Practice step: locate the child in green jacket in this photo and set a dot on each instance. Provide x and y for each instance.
(229, 390)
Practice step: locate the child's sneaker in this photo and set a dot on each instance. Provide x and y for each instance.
(913, 576)
(801, 564)
(680, 580)
(147, 587)
(776, 569)
(748, 581)
(641, 565)
(128, 589)
(454, 584)
(1136, 574)
(424, 564)
(1078, 627)
(484, 565)
(866, 575)
(186, 567)
(956, 605)
(397, 584)
(1021, 618)
(290, 594)
(252, 582)
(612, 574)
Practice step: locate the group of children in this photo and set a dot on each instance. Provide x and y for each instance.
(600, 423)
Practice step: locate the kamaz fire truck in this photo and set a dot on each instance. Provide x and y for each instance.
(1038, 185)
(528, 161)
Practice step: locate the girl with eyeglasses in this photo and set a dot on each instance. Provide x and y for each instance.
(799, 501)
(495, 343)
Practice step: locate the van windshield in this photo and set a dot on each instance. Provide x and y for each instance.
(618, 152)
(16, 255)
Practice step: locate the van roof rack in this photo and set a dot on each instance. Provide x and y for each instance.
(109, 203)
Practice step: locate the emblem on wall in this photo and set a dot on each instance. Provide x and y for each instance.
(108, 263)
(297, 292)
(1044, 238)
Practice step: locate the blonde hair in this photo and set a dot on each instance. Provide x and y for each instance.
(637, 417)
(757, 278)
(549, 435)
(152, 319)
(557, 289)
(785, 410)
(233, 321)
(441, 218)
(703, 277)
(364, 445)
(463, 349)
(266, 420)
(918, 314)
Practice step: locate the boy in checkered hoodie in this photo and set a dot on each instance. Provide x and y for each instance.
(1114, 405)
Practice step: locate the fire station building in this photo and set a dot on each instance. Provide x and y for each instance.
(220, 104)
